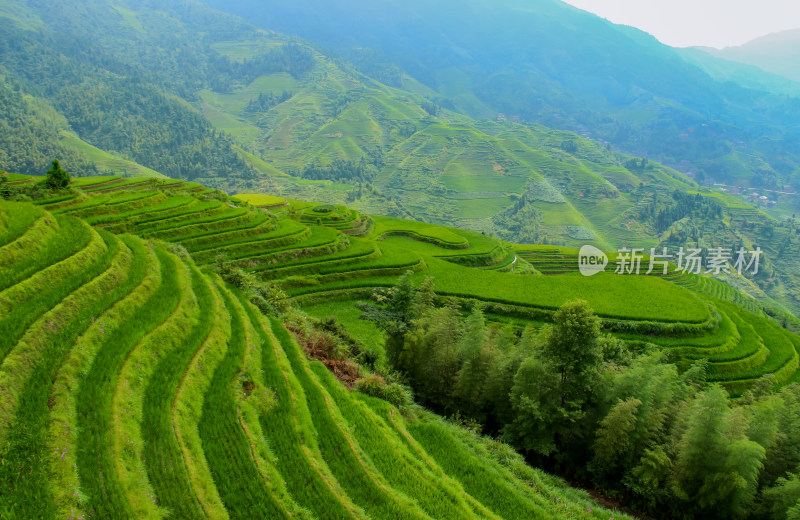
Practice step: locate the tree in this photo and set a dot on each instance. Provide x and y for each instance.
(573, 352)
(554, 389)
(4, 190)
(393, 316)
(717, 467)
(500, 381)
(613, 436)
(538, 421)
(784, 456)
(424, 298)
(478, 355)
(783, 499)
(432, 356)
(57, 177)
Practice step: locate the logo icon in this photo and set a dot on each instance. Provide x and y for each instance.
(591, 261)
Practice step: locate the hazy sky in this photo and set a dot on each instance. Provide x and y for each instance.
(714, 23)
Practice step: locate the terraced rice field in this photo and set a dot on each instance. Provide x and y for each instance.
(135, 384)
(321, 253)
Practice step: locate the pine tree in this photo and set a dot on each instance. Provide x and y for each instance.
(57, 177)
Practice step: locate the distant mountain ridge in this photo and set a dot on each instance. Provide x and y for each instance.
(778, 53)
(556, 65)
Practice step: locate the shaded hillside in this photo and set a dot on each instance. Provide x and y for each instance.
(112, 104)
(553, 64)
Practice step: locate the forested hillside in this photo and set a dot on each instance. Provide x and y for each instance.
(28, 141)
(112, 102)
(550, 63)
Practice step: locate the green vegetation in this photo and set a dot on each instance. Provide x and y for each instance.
(57, 177)
(261, 200)
(258, 112)
(571, 398)
(167, 350)
(137, 384)
(319, 253)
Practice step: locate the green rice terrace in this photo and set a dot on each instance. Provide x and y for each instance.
(136, 383)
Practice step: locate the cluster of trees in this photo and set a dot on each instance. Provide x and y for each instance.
(636, 164)
(521, 223)
(580, 403)
(431, 107)
(336, 103)
(663, 212)
(56, 180)
(291, 58)
(341, 170)
(27, 141)
(265, 102)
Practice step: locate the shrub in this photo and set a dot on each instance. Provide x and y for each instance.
(178, 250)
(325, 208)
(267, 296)
(372, 385)
(219, 196)
(580, 233)
(395, 393)
(543, 191)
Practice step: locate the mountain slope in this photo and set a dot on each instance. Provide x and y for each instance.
(137, 383)
(726, 68)
(553, 64)
(345, 139)
(776, 53)
(113, 104)
(264, 111)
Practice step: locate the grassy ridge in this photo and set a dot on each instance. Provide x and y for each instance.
(96, 466)
(63, 424)
(238, 481)
(354, 470)
(27, 373)
(402, 471)
(165, 470)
